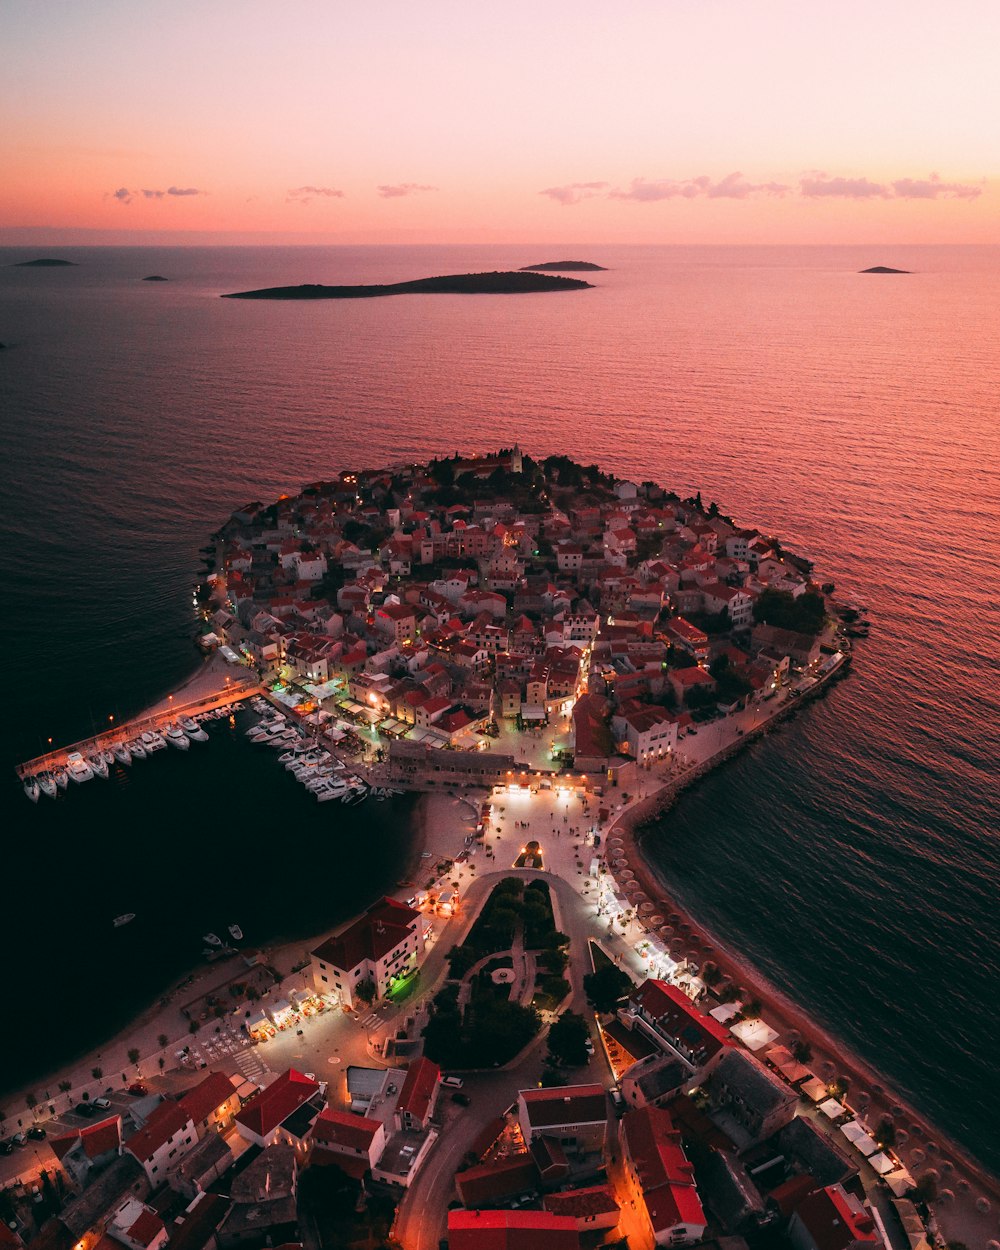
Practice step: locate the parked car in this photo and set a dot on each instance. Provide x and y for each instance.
(589, 1046)
(453, 1082)
(86, 1109)
(20, 1139)
(37, 1133)
(138, 1089)
(463, 1100)
(103, 1104)
(6, 1147)
(618, 1102)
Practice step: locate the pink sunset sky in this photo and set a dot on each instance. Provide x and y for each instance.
(689, 121)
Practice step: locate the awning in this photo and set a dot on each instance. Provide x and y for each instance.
(881, 1163)
(725, 1013)
(814, 1088)
(754, 1034)
(832, 1109)
(900, 1182)
(858, 1138)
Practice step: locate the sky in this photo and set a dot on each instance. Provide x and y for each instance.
(687, 121)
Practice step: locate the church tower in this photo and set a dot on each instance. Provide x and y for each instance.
(516, 465)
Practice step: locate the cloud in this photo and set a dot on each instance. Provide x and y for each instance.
(932, 188)
(123, 195)
(184, 191)
(819, 184)
(395, 190)
(303, 195)
(733, 187)
(153, 195)
(574, 192)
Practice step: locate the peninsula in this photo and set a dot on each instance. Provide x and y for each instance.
(44, 262)
(155, 277)
(498, 283)
(883, 269)
(565, 265)
(548, 654)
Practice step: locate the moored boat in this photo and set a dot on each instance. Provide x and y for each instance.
(31, 789)
(136, 749)
(48, 784)
(78, 768)
(61, 777)
(193, 730)
(98, 764)
(108, 757)
(177, 737)
(122, 753)
(211, 939)
(236, 932)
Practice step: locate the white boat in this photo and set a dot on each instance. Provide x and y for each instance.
(108, 757)
(177, 737)
(77, 767)
(211, 939)
(136, 749)
(48, 784)
(153, 741)
(193, 729)
(98, 764)
(61, 778)
(31, 789)
(124, 919)
(236, 932)
(122, 753)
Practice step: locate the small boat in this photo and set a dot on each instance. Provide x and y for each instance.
(122, 753)
(193, 729)
(156, 742)
(31, 789)
(108, 757)
(236, 932)
(177, 737)
(211, 939)
(61, 778)
(136, 749)
(48, 784)
(98, 764)
(124, 919)
(209, 953)
(78, 768)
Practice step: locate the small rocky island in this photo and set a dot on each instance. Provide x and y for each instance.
(44, 262)
(566, 266)
(156, 277)
(450, 284)
(883, 269)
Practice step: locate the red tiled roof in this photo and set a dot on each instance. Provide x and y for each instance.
(418, 1088)
(665, 1175)
(342, 1128)
(355, 1166)
(573, 1104)
(511, 1230)
(676, 1013)
(166, 1120)
(383, 926)
(831, 1222)
(579, 1203)
(274, 1105)
(146, 1228)
(489, 1182)
(202, 1099)
(97, 1139)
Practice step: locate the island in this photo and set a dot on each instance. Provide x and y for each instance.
(43, 262)
(567, 265)
(497, 283)
(546, 655)
(155, 277)
(882, 269)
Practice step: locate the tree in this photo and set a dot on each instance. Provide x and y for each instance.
(133, 1055)
(365, 990)
(885, 1134)
(65, 1086)
(804, 614)
(31, 1101)
(162, 1062)
(605, 986)
(194, 1026)
(97, 1073)
(802, 1051)
(163, 1041)
(568, 1038)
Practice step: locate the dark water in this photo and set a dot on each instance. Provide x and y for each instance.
(854, 856)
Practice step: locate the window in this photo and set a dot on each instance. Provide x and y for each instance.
(322, 978)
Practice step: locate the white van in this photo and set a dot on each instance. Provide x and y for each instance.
(453, 1082)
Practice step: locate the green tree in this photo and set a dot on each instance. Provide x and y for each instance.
(97, 1073)
(365, 990)
(163, 1041)
(133, 1054)
(568, 1038)
(885, 1134)
(605, 987)
(65, 1086)
(802, 1051)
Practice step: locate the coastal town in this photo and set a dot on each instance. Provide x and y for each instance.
(530, 1042)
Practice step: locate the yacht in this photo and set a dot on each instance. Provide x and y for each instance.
(48, 784)
(153, 741)
(211, 939)
(61, 778)
(31, 789)
(124, 919)
(236, 933)
(193, 730)
(108, 757)
(177, 737)
(77, 767)
(136, 749)
(98, 764)
(122, 753)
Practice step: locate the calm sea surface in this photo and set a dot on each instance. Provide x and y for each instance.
(855, 856)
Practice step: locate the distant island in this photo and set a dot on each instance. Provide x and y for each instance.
(450, 284)
(882, 269)
(155, 277)
(45, 262)
(587, 265)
